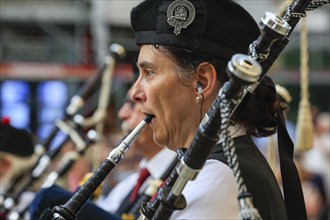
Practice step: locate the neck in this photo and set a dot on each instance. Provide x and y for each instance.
(150, 154)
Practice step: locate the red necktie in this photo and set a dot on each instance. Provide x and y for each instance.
(144, 173)
(156, 193)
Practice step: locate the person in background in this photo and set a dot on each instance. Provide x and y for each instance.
(16, 149)
(316, 162)
(184, 50)
(120, 200)
(314, 191)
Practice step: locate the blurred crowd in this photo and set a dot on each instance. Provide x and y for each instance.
(313, 165)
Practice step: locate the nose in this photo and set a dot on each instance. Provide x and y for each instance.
(138, 94)
(125, 111)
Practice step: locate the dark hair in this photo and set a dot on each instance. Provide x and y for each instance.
(257, 111)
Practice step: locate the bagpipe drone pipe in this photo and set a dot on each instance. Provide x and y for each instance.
(72, 207)
(81, 141)
(245, 72)
(73, 125)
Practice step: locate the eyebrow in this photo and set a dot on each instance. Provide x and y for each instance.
(146, 64)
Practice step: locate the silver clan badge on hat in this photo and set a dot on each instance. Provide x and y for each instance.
(180, 14)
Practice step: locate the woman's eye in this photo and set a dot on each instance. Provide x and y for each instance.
(149, 73)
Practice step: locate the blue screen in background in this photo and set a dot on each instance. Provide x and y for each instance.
(52, 94)
(15, 96)
(52, 97)
(15, 91)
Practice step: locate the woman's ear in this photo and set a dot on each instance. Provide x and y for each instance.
(207, 77)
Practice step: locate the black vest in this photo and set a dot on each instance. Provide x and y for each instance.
(258, 177)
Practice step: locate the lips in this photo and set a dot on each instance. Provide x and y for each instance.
(149, 114)
(152, 115)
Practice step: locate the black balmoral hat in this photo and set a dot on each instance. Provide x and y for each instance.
(220, 28)
(15, 141)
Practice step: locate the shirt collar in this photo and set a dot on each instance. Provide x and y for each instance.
(158, 164)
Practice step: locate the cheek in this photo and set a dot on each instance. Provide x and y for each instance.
(165, 94)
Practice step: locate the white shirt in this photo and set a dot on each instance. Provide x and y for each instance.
(156, 167)
(212, 195)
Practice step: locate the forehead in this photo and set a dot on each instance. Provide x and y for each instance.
(152, 57)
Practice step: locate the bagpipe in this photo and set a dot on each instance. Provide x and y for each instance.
(76, 127)
(71, 208)
(245, 73)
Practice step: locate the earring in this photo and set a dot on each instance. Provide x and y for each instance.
(198, 99)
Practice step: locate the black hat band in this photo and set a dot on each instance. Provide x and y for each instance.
(199, 45)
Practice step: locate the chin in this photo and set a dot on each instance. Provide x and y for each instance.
(159, 140)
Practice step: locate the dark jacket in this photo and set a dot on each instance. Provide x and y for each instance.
(258, 178)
